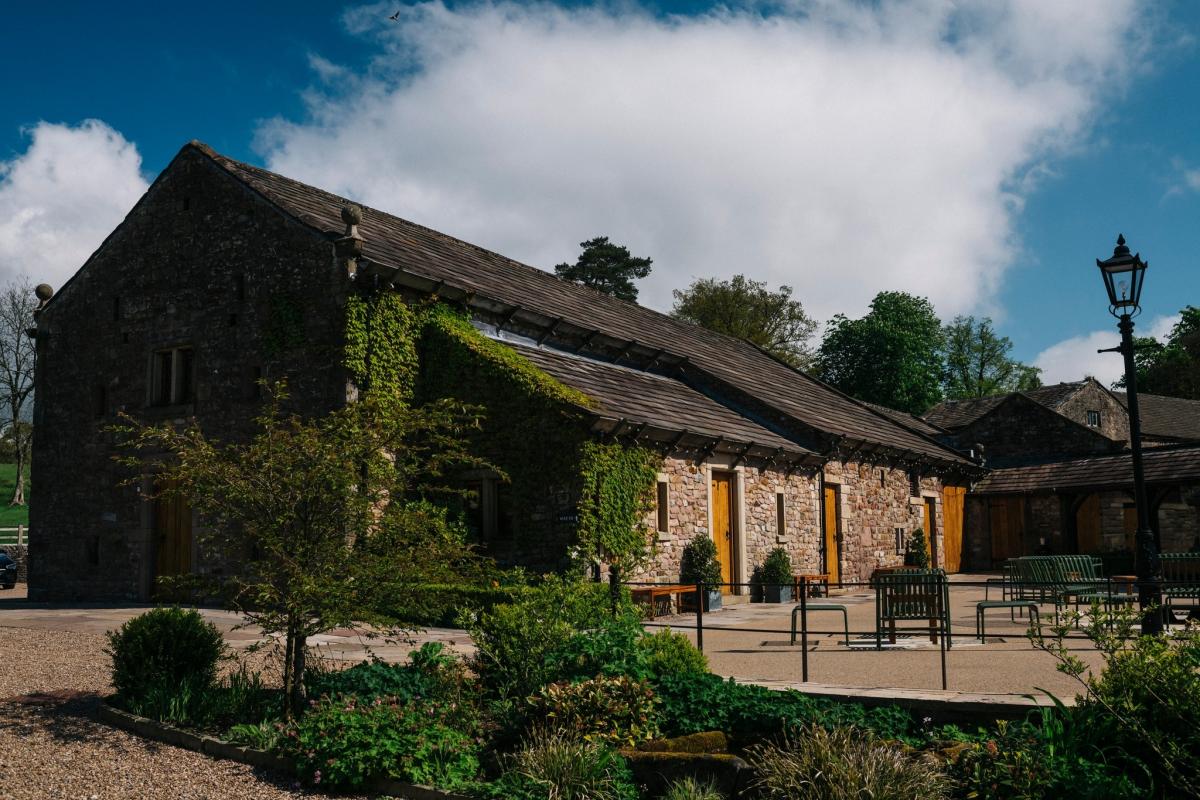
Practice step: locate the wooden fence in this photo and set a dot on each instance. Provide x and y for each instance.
(18, 535)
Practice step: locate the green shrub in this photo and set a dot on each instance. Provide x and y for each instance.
(698, 703)
(515, 642)
(670, 653)
(699, 563)
(341, 741)
(550, 766)
(1046, 760)
(611, 648)
(844, 764)
(443, 604)
(692, 789)
(164, 663)
(429, 673)
(618, 711)
(777, 569)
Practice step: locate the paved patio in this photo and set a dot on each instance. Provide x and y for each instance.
(746, 641)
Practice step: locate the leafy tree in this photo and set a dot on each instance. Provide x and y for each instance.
(1172, 367)
(17, 304)
(748, 310)
(891, 356)
(606, 267)
(326, 513)
(978, 362)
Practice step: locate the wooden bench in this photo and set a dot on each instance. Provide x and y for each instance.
(817, 583)
(649, 595)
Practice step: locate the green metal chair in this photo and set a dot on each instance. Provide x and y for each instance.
(1181, 580)
(910, 597)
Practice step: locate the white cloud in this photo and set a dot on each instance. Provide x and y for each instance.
(62, 196)
(840, 148)
(1075, 358)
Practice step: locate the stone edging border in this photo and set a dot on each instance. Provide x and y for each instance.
(215, 748)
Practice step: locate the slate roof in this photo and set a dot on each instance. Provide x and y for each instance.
(951, 415)
(643, 397)
(1167, 417)
(907, 419)
(1162, 465)
(447, 261)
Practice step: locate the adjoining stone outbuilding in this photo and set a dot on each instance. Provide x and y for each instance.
(224, 274)
(1061, 478)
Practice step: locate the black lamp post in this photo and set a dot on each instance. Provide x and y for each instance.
(1123, 276)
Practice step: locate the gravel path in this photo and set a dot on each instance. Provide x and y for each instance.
(53, 747)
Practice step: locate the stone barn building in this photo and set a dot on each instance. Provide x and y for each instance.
(224, 274)
(1061, 478)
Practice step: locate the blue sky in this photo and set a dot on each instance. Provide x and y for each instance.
(982, 155)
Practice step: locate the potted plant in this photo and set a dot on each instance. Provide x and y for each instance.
(917, 552)
(777, 576)
(700, 565)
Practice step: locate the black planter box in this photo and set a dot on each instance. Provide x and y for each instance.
(778, 594)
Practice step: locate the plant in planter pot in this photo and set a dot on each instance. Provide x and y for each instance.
(917, 552)
(700, 565)
(777, 577)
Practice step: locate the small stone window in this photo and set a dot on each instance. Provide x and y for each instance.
(780, 515)
(1093, 419)
(116, 308)
(172, 376)
(489, 512)
(914, 483)
(663, 507)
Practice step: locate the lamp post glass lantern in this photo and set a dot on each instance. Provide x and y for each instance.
(1123, 276)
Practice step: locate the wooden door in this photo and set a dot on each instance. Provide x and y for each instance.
(832, 552)
(173, 536)
(723, 525)
(1087, 525)
(1006, 518)
(953, 498)
(931, 530)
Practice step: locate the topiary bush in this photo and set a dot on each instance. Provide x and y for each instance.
(777, 569)
(669, 653)
(916, 553)
(164, 663)
(699, 562)
(617, 711)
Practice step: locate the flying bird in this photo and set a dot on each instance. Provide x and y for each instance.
(395, 17)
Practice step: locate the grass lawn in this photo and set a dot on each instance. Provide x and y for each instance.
(12, 517)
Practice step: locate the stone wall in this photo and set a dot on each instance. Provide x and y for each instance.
(874, 501)
(1114, 420)
(199, 262)
(1021, 430)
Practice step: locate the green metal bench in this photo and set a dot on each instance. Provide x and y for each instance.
(984, 605)
(913, 596)
(821, 607)
(1181, 580)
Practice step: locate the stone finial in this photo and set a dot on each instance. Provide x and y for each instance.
(44, 292)
(350, 245)
(352, 215)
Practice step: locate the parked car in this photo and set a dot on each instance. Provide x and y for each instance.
(8, 570)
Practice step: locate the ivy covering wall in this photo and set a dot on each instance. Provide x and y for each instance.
(568, 490)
